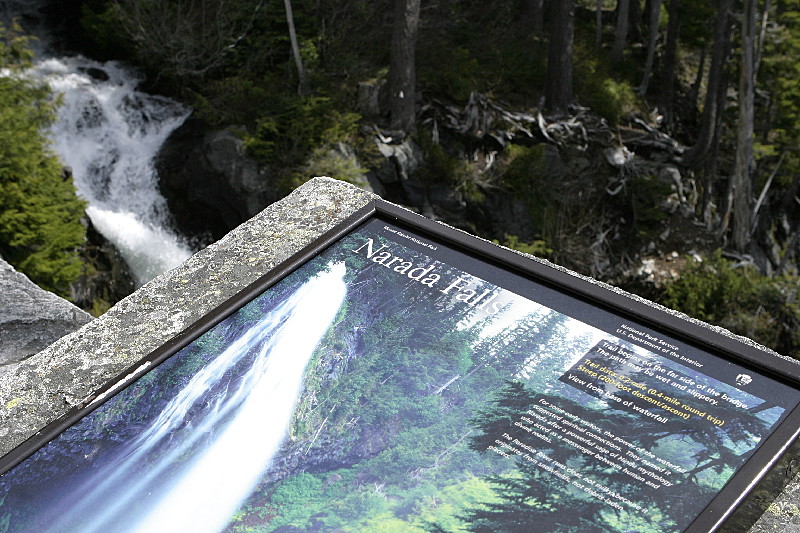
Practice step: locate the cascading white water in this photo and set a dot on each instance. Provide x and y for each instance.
(109, 133)
(192, 473)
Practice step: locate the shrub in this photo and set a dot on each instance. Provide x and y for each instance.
(439, 167)
(538, 248)
(763, 308)
(302, 125)
(526, 174)
(40, 226)
(598, 88)
(232, 100)
(337, 162)
(449, 70)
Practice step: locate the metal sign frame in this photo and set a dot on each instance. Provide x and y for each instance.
(588, 295)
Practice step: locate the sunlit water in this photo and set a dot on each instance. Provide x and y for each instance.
(109, 134)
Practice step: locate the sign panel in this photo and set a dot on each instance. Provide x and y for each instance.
(401, 379)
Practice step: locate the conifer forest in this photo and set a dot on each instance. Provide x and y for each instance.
(651, 144)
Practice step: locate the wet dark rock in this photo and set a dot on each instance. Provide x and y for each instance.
(396, 174)
(96, 73)
(106, 278)
(211, 186)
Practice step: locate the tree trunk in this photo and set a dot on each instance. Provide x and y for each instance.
(598, 24)
(635, 21)
(302, 83)
(558, 87)
(719, 56)
(670, 60)
(742, 183)
(402, 70)
(761, 37)
(710, 167)
(653, 19)
(621, 31)
(533, 16)
(694, 91)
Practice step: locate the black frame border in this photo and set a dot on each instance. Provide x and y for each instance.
(729, 348)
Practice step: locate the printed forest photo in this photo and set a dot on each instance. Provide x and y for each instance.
(397, 382)
(379, 388)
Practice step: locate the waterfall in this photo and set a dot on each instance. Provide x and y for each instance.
(109, 133)
(191, 473)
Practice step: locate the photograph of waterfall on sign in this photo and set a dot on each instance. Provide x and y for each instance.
(385, 386)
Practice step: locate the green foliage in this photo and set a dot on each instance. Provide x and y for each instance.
(538, 248)
(335, 162)
(526, 164)
(779, 73)
(287, 138)
(40, 228)
(300, 141)
(644, 195)
(480, 46)
(650, 521)
(708, 290)
(525, 173)
(439, 167)
(296, 489)
(234, 100)
(697, 22)
(742, 300)
(598, 88)
(449, 70)
(100, 21)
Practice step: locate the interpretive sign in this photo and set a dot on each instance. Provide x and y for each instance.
(402, 376)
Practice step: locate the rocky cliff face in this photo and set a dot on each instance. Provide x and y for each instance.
(209, 183)
(32, 318)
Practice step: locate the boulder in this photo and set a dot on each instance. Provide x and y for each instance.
(396, 173)
(210, 184)
(32, 318)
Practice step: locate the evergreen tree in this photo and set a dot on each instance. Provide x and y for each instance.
(402, 72)
(558, 88)
(670, 60)
(40, 229)
(653, 18)
(719, 57)
(621, 32)
(742, 178)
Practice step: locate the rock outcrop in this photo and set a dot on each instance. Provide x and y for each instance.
(32, 318)
(211, 186)
(106, 277)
